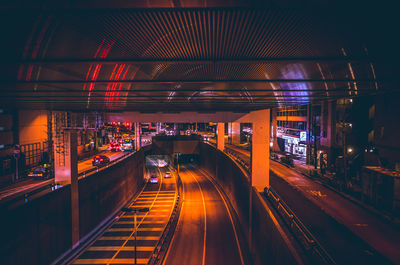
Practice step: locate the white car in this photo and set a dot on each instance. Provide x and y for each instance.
(154, 179)
(127, 147)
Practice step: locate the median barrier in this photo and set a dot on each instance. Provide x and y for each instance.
(263, 234)
(39, 230)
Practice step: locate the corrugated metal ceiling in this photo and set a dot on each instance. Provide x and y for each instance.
(188, 59)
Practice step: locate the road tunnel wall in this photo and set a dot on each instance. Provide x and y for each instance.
(40, 231)
(102, 193)
(183, 144)
(268, 246)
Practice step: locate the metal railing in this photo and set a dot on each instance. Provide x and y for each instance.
(99, 168)
(24, 196)
(234, 154)
(313, 248)
(162, 246)
(300, 231)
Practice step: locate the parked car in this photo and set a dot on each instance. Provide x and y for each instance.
(42, 172)
(153, 179)
(167, 174)
(288, 160)
(100, 160)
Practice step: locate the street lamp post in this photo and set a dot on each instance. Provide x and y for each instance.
(135, 211)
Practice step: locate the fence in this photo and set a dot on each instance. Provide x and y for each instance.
(33, 153)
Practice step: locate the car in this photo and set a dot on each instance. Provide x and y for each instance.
(43, 172)
(115, 147)
(127, 146)
(153, 179)
(100, 160)
(167, 174)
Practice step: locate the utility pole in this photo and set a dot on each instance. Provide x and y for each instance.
(135, 211)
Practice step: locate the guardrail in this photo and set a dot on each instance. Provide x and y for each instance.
(234, 154)
(313, 248)
(302, 234)
(24, 196)
(162, 246)
(98, 168)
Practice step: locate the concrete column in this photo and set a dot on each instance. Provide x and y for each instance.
(158, 127)
(235, 133)
(220, 136)
(309, 124)
(274, 130)
(66, 172)
(65, 157)
(331, 130)
(260, 149)
(137, 136)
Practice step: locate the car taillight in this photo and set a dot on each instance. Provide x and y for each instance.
(40, 175)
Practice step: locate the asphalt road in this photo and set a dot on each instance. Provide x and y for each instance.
(86, 164)
(30, 184)
(350, 234)
(204, 234)
(116, 245)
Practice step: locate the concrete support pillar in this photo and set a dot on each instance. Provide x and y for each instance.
(138, 141)
(309, 126)
(235, 133)
(66, 172)
(260, 149)
(220, 136)
(331, 130)
(274, 130)
(158, 127)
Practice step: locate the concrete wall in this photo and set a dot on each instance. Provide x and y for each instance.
(100, 196)
(176, 144)
(268, 245)
(32, 126)
(387, 127)
(39, 231)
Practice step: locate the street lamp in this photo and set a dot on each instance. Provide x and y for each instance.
(135, 211)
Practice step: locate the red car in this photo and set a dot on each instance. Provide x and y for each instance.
(100, 160)
(115, 147)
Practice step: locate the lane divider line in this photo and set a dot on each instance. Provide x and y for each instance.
(230, 216)
(205, 218)
(126, 241)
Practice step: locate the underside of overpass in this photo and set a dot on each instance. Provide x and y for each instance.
(174, 56)
(183, 61)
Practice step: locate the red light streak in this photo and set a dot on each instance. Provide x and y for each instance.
(103, 49)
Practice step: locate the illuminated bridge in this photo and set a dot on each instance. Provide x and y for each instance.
(199, 132)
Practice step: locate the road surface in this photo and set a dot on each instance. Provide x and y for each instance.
(116, 245)
(30, 184)
(204, 233)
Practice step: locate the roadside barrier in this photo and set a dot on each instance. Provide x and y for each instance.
(313, 248)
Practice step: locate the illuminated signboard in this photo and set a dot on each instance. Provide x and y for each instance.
(303, 136)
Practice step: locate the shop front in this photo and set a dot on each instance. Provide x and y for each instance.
(294, 142)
